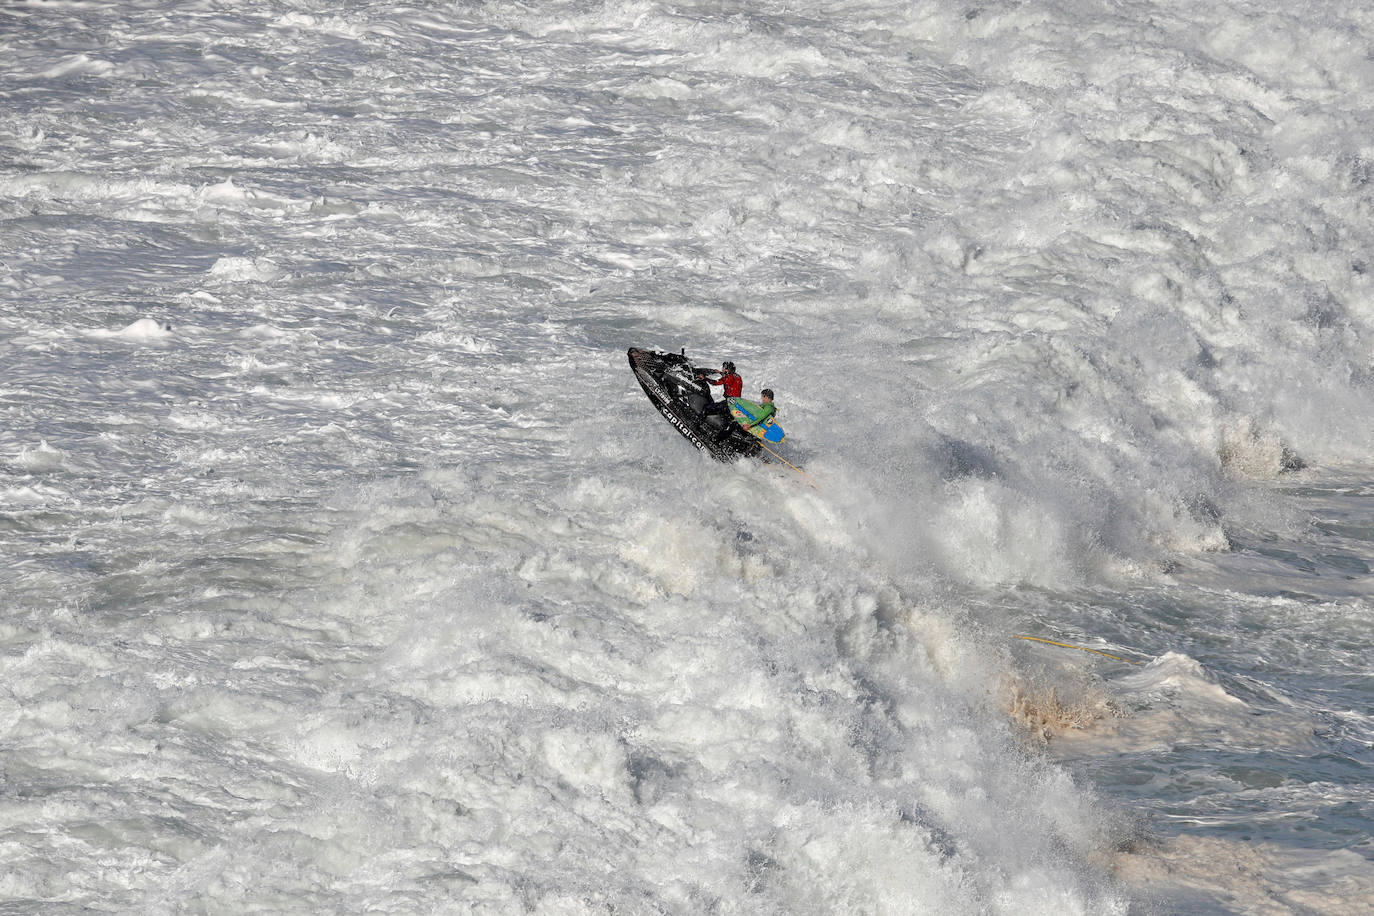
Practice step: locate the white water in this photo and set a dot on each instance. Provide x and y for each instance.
(348, 569)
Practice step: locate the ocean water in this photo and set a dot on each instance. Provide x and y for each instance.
(346, 568)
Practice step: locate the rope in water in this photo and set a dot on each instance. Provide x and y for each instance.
(789, 464)
(1065, 645)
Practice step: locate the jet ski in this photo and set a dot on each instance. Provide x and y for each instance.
(677, 389)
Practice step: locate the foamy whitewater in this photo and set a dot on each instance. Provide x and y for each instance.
(347, 569)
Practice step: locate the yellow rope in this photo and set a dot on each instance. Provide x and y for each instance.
(789, 464)
(1064, 645)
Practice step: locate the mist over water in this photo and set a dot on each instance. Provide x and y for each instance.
(347, 568)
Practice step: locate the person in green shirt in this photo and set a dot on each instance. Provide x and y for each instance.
(768, 410)
(766, 402)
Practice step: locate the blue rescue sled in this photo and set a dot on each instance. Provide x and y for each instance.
(745, 412)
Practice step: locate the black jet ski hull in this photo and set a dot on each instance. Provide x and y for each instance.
(671, 384)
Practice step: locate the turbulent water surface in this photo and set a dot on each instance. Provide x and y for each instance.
(346, 568)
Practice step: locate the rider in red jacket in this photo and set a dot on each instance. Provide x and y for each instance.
(727, 378)
(731, 384)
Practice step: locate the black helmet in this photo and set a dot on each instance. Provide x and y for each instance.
(728, 366)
